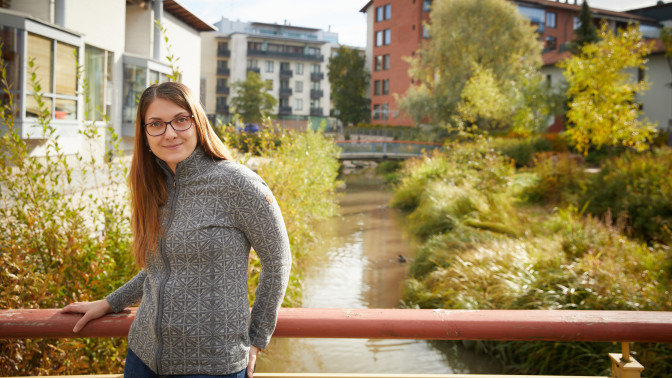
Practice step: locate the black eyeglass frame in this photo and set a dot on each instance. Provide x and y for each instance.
(144, 126)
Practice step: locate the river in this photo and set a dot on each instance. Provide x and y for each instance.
(357, 265)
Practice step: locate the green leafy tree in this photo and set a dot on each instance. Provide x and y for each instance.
(348, 79)
(587, 32)
(471, 69)
(253, 100)
(603, 110)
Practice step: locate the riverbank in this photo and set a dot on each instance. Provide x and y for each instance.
(356, 265)
(486, 244)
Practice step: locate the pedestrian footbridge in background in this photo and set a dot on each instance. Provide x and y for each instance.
(384, 150)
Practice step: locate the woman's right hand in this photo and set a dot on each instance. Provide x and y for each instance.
(91, 311)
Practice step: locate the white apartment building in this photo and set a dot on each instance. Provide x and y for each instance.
(294, 59)
(117, 44)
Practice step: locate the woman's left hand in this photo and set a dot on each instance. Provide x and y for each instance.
(253, 361)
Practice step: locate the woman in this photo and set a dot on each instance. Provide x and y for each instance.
(195, 215)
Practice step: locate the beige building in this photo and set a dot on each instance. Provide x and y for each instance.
(294, 59)
(118, 46)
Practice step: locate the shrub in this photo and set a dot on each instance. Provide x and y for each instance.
(473, 165)
(67, 239)
(521, 150)
(301, 169)
(560, 179)
(638, 185)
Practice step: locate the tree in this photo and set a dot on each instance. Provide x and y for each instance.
(349, 79)
(603, 110)
(587, 32)
(666, 38)
(470, 69)
(252, 99)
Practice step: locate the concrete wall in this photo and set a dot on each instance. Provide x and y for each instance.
(657, 101)
(42, 9)
(209, 70)
(139, 31)
(186, 45)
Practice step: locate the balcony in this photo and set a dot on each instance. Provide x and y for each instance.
(284, 110)
(222, 109)
(221, 53)
(285, 92)
(280, 54)
(286, 74)
(316, 93)
(223, 71)
(254, 69)
(223, 90)
(316, 76)
(316, 112)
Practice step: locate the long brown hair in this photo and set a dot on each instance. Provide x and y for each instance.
(146, 180)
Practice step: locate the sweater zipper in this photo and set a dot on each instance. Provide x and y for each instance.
(162, 287)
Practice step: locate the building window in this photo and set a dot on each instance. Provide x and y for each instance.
(388, 37)
(550, 19)
(137, 77)
(299, 86)
(315, 68)
(299, 68)
(379, 14)
(378, 63)
(221, 84)
(427, 5)
(283, 102)
(284, 84)
(98, 68)
(386, 62)
(376, 87)
(376, 112)
(299, 104)
(577, 23)
(269, 66)
(220, 104)
(252, 63)
(384, 111)
(379, 38)
(314, 85)
(551, 43)
(60, 88)
(388, 11)
(386, 86)
(425, 31)
(269, 84)
(314, 103)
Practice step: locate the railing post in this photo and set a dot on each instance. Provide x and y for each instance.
(623, 365)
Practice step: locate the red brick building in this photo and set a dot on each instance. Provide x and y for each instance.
(395, 30)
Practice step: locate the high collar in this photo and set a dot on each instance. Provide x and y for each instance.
(193, 165)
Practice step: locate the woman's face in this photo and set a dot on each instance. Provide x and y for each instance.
(172, 146)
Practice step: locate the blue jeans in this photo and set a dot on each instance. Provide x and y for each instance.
(135, 368)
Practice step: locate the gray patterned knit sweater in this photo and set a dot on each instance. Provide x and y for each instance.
(194, 317)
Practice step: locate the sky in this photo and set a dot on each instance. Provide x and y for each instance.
(340, 16)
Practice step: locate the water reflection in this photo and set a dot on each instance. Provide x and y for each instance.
(357, 266)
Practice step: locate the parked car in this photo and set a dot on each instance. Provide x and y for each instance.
(251, 128)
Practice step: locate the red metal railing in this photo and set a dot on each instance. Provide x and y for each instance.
(526, 325)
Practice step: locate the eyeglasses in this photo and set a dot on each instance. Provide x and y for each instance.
(157, 128)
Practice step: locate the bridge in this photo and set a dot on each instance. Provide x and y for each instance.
(384, 150)
(421, 324)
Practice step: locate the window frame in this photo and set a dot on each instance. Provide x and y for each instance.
(551, 16)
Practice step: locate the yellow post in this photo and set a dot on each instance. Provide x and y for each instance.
(623, 365)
